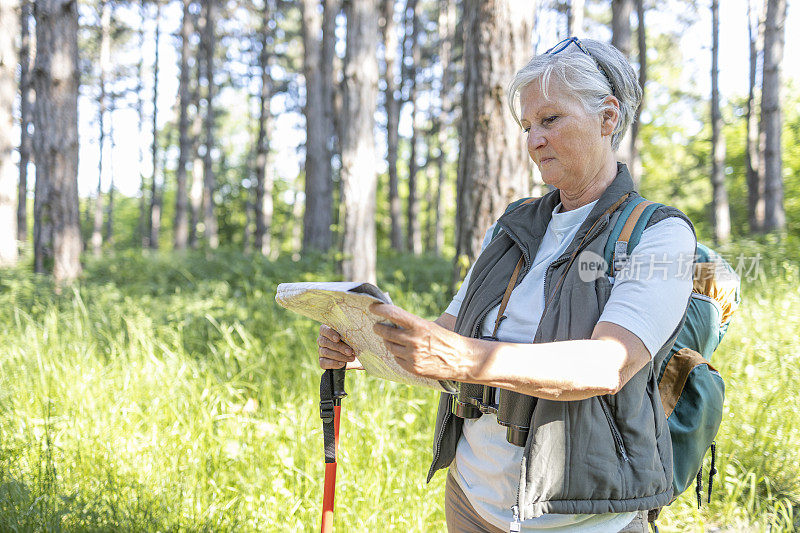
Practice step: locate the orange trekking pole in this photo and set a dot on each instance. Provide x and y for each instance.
(331, 392)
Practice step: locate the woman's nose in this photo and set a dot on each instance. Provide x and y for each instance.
(535, 140)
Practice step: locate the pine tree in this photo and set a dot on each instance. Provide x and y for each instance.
(753, 159)
(392, 105)
(493, 166)
(181, 236)
(104, 15)
(209, 44)
(774, 214)
(57, 238)
(359, 179)
(447, 23)
(635, 166)
(621, 39)
(9, 20)
(721, 217)
(25, 110)
(319, 185)
(144, 214)
(155, 191)
(263, 201)
(412, 49)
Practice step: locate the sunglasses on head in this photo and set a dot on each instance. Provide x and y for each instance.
(561, 46)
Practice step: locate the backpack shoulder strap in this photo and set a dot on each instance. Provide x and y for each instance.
(627, 232)
(512, 206)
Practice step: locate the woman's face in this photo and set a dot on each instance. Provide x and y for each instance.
(569, 145)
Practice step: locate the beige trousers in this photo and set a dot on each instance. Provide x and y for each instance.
(462, 518)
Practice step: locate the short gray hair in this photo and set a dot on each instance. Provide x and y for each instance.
(582, 76)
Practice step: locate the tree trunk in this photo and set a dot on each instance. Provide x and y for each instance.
(621, 39)
(437, 209)
(755, 178)
(331, 91)
(196, 200)
(209, 179)
(359, 179)
(752, 153)
(319, 185)
(110, 203)
(57, 237)
(105, 60)
(635, 142)
(774, 215)
(181, 232)
(392, 102)
(144, 215)
(331, 9)
(196, 189)
(493, 163)
(297, 230)
(25, 104)
(447, 28)
(9, 20)
(264, 208)
(621, 25)
(721, 216)
(413, 238)
(155, 192)
(575, 17)
(333, 69)
(97, 219)
(430, 190)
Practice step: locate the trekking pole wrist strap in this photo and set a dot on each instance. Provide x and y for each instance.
(331, 392)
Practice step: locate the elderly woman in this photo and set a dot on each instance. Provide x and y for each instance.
(595, 455)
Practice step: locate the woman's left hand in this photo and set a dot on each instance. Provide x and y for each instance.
(423, 347)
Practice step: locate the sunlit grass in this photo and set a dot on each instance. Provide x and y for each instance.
(170, 393)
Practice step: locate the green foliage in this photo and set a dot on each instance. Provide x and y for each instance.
(675, 150)
(169, 392)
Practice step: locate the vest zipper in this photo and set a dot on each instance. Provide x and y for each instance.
(515, 525)
(438, 449)
(563, 259)
(614, 431)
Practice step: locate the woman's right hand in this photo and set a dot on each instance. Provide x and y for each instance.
(334, 352)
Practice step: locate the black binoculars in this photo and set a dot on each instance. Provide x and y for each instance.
(513, 410)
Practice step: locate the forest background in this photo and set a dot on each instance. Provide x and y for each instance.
(165, 164)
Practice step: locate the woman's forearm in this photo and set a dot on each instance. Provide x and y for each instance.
(567, 370)
(524, 367)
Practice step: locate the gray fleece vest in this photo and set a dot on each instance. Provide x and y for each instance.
(603, 454)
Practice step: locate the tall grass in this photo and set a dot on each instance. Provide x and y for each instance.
(170, 393)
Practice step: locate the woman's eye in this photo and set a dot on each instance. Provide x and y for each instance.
(549, 120)
(526, 129)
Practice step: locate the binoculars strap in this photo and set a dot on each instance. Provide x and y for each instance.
(511, 284)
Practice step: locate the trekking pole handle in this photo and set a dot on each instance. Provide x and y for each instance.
(338, 384)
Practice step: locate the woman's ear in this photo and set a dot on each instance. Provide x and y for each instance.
(610, 116)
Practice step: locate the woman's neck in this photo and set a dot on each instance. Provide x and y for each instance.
(573, 199)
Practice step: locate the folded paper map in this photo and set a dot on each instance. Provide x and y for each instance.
(345, 307)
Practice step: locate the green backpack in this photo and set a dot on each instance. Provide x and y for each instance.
(691, 389)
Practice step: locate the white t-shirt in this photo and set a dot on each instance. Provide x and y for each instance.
(486, 466)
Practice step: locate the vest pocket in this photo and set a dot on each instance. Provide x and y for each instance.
(602, 289)
(615, 433)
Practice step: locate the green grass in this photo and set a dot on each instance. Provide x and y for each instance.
(170, 393)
